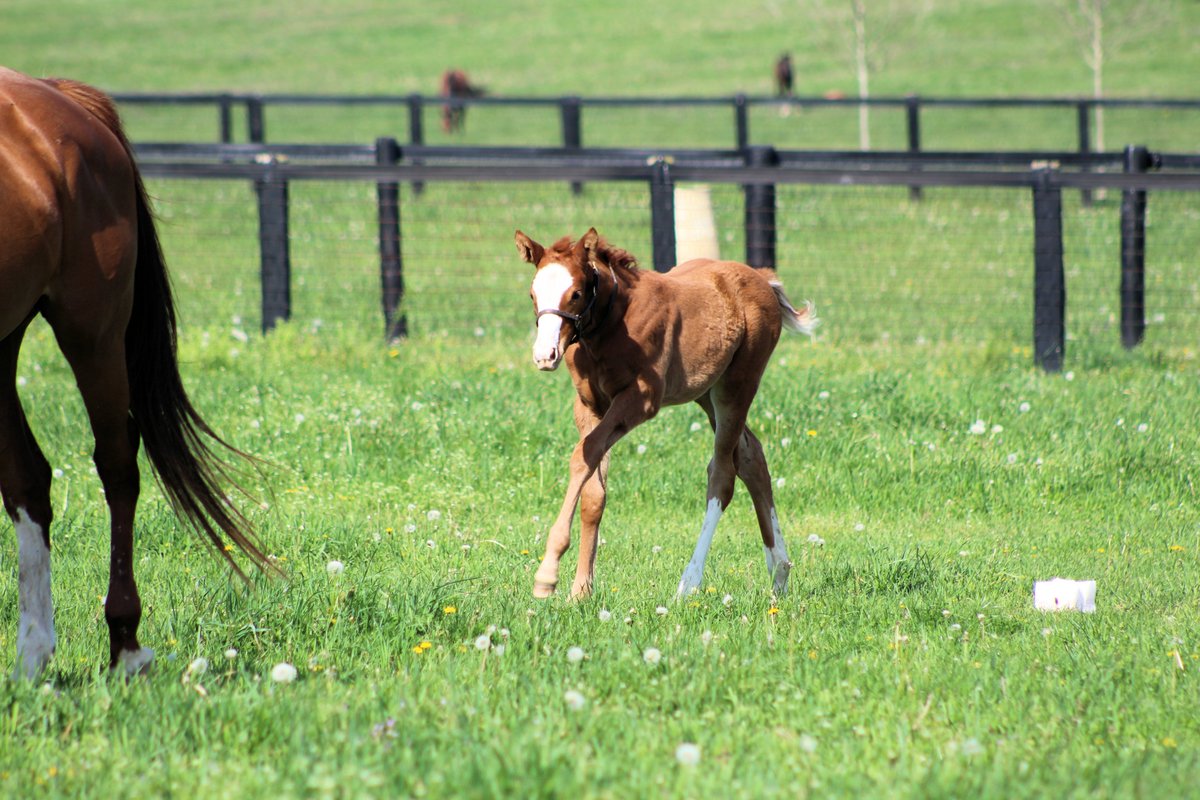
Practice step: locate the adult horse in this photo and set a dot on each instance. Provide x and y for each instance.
(635, 341)
(456, 85)
(78, 246)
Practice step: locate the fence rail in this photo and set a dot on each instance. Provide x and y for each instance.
(757, 170)
(570, 107)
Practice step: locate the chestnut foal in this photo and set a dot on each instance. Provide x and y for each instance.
(635, 341)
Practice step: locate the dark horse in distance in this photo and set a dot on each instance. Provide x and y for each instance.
(78, 246)
(456, 85)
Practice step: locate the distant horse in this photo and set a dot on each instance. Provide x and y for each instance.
(783, 76)
(455, 85)
(78, 246)
(635, 341)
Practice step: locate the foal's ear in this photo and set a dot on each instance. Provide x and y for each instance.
(528, 249)
(587, 243)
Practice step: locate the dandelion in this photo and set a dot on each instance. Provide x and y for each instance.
(1012, 458)
(1142, 427)
(575, 655)
(283, 672)
(706, 638)
(978, 428)
(785, 441)
(652, 655)
(656, 549)
(1024, 408)
(605, 615)
(727, 600)
(811, 432)
(696, 426)
(822, 395)
(970, 748)
(231, 653)
(661, 611)
(946, 612)
(860, 527)
(417, 405)
(780, 482)
(449, 610)
(772, 611)
(197, 667)
(807, 743)
(299, 418)
(335, 568)
(574, 699)
(641, 449)
(1047, 631)
(997, 429)
(815, 540)
(433, 515)
(483, 642)
(1069, 376)
(688, 754)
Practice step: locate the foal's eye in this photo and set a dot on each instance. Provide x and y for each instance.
(575, 295)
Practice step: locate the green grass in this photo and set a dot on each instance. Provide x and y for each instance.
(906, 661)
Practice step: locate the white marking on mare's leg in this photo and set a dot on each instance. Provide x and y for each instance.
(35, 631)
(694, 572)
(779, 566)
(135, 662)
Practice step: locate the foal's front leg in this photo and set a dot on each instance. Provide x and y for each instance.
(630, 408)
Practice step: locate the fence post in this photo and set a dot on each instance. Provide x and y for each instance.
(912, 114)
(225, 114)
(1133, 252)
(416, 132)
(572, 134)
(254, 120)
(276, 277)
(741, 120)
(662, 214)
(760, 210)
(1083, 122)
(1049, 283)
(391, 266)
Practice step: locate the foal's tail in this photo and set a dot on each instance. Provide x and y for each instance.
(801, 321)
(178, 441)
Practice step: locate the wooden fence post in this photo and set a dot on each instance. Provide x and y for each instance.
(912, 114)
(570, 111)
(391, 266)
(257, 126)
(760, 210)
(662, 215)
(416, 132)
(1083, 124)
(741, 121)
(1049, 283)
(276, 275)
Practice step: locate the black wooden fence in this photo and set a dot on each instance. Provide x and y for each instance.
(571, 107)
(757, 169)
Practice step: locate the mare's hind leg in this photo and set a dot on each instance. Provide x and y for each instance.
(25, 483)
(99, 368)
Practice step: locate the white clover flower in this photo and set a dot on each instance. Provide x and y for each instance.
(807, 743)
(283, 672)
(997, 429)
(822, 395)
(1012, 458)
(574, 700)
(860, 527)
(605, 615)
(231, 653)
(652, 655)
(706, 638)
(641, 449)
(1024, 408)
(978, 428)
(695, 427)
(1070, 376)
(688, 754)
(780, 482)
(727, 600)
(483, 642)
(661, 611)
(785, 441)
(656, 549)
(335, 568)
(1142, 427)
(575, 655)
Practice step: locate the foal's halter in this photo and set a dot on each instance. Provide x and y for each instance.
(578, 320)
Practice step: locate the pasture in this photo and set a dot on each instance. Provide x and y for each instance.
(927, 473)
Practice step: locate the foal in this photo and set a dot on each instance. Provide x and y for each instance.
(635, 341)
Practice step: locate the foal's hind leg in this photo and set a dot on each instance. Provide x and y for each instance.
(25, 483)
(591, 509)
(752, 469)
(100, 372)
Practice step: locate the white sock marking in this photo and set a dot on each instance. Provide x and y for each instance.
(779, 566)
(694, 573)
(35, 631)
(550, 286)
(135, 662)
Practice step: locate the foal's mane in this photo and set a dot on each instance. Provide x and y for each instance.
(612, 256)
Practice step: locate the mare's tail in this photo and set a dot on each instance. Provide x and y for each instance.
(179, 443)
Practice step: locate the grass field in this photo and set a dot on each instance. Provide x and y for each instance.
(906, 661)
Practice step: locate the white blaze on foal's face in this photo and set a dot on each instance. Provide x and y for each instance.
(551, 288)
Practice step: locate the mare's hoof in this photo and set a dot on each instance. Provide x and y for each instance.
(542, 590)
(134, 662)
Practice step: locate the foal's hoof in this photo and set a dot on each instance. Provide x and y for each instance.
(542, 590)
(134, 662)
(782, 571)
